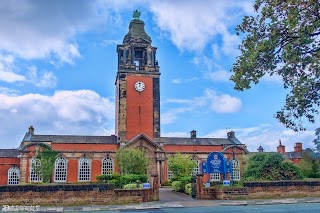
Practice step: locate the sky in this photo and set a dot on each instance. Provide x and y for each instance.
(58, 64)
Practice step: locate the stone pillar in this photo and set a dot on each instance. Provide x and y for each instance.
(162, 173)
(199, 183)
(23, 167)
(155, 187)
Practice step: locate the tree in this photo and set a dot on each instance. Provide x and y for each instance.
(283, 39)
(271, 166)
(316, 141)
(132, 161)
(310, 166)
(47, 158)
(181, 165)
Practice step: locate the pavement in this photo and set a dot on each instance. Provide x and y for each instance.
(169, 199)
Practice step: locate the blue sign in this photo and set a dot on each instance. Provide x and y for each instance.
(216, 163)
(146, 186)
(229, 166)
(203, 167)
(226, 183)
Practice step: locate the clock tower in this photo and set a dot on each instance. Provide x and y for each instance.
(137, 85)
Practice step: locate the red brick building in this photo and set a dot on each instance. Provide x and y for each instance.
(82, 158)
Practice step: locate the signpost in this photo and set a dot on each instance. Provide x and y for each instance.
(217, 163)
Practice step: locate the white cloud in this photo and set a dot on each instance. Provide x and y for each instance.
(41, 29)
(268, 137)
(223, 103)
(180, 81)
(172, 115)
(192, 24)
(219, 76)
(65, 112)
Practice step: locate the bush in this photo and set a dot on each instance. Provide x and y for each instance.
(132, 178)
(167, 183)
(187, 189)
(177, 186)
(132, 186)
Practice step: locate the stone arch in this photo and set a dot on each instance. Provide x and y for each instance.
(36, 144)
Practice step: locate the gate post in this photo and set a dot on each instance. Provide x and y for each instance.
(155, 187)
(199, 184)
(193, 186)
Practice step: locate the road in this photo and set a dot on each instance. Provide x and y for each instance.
(280, 208)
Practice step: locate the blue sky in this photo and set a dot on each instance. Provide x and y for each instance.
(58, 65)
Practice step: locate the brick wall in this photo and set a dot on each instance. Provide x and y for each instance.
(259, 190)
(5, 165)
(73, 194)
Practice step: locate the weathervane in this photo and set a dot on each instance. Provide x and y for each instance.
(136, 14)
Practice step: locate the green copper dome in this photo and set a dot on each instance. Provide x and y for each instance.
(136, 29)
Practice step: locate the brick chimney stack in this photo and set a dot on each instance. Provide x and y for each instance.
(281, 148)
(298, 147)
(193, 134)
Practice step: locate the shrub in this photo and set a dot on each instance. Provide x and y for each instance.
(187, 189)
(167, 183)
(177, 186)
(132, 178)
(132, 186)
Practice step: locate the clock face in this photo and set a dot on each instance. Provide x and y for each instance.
(139, 86)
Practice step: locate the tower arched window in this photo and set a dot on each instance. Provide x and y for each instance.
(107, 166)
(60, 170)
(13, 176)
(35, 170)
(235, 170)
(84, 172)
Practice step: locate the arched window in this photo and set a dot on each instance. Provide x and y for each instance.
(235, 170)
(60, 170)
(35, 170)
(84, 169)
(107, 166)
(13, 176)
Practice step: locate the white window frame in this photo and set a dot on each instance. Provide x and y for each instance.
(60, 170)
(196, 169)
(13, 176)
(35, 178)
(107, 166)
(215, 177)
(84, 171)
(235, 170)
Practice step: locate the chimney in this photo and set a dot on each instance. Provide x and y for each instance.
(193, 134)
(231, 134)
(281, 148)
(31, 130)
(298, 147)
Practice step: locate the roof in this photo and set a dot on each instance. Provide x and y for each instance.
(293, 155)
(136, 30)
(72, 139)
(195, 141)
(9, 153)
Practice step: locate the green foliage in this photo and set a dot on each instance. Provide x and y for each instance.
(282, 39)
(118, 181)
(177, 186)
(47, 158)
(188, 189)
(132, 186)
(132, 161)
(316, 141)
(167, 183)
(271, 166)
(181, 165)
(310, 166)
